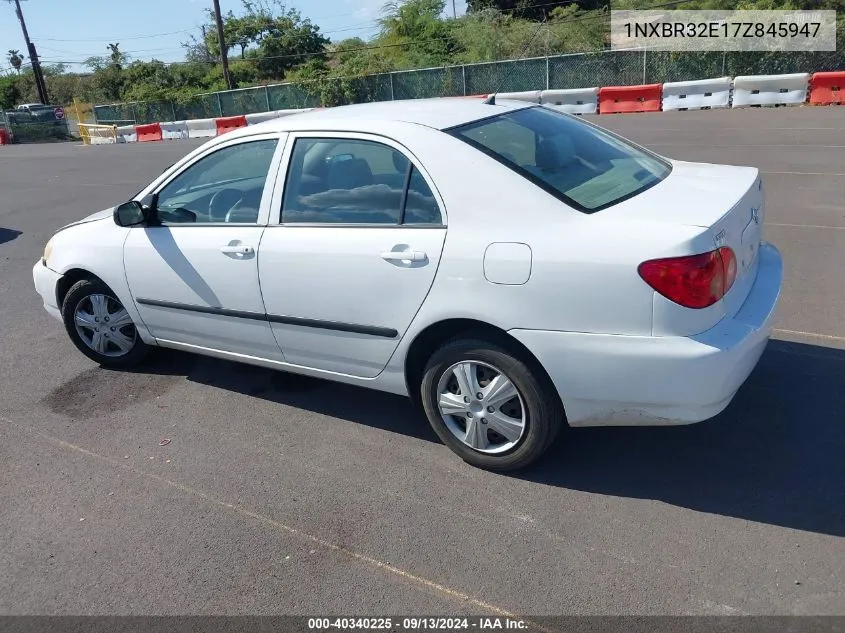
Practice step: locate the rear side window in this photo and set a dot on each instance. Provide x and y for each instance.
(588, 168)
(347, 181)
(420, 206)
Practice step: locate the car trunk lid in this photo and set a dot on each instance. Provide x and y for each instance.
(725, 200)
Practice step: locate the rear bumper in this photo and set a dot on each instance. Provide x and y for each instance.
(611, 380)
(46, 281)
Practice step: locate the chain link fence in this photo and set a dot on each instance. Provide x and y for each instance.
(579, 70)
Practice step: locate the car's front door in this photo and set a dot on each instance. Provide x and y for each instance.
(194, 278)
(355, 254)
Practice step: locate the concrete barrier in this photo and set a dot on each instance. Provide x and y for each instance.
(695, 95)
(228, 123)
(573, 101)
(201, 128)
(763, 90)
(281, 113)
(173, 130)
(532, 96)
(149, 132)
(826, 88)
(126, 134)
(260, 117)
(623, 99)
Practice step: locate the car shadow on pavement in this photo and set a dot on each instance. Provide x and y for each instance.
(7, 235)
(346, 402)
(776, 455)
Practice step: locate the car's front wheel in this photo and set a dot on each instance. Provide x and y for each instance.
(100, 326)
(489, 405)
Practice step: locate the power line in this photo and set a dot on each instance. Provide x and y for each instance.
(118, 37)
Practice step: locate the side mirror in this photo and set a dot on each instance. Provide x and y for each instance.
(131, 213)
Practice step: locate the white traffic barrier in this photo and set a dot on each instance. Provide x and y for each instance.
(281, 113)
(572, 100)
(532, 96)
(260, 117)
(694, 95)
(126, 134)
(173, 130)
(770, 90)
(201, 128)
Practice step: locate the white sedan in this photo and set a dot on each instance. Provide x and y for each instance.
(511, 268)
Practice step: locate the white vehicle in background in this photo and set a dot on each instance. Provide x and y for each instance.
(37, 110)
(510, 268)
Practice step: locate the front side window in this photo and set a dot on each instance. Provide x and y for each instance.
(346, 181)
(588, 168)
(225, 186)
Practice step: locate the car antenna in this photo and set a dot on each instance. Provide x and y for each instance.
(491, 98)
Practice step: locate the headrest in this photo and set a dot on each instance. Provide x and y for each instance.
(400, 163)
(555, 153)
(349, 174)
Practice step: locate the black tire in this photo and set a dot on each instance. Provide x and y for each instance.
(79, 292)
(539, 402)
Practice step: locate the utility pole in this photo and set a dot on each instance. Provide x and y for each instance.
(454, 10)
(224, 55)
(40, 87)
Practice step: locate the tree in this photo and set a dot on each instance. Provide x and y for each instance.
(285, 41)
(10, 92)
(414, 35)
(198, 50)
(536, 10)
(118, 58)
(107, 80)
(274, 37)
(16, 59)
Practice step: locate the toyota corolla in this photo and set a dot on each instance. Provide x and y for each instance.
(510, 268)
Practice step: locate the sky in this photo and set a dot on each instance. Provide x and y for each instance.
(65, 31)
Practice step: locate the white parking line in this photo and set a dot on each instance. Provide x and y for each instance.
(827, 337)
(744, 146)
(807, 226)
(801, 173)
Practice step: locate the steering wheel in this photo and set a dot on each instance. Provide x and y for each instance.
(242, 214)
(222, 202)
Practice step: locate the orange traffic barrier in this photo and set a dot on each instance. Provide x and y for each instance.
(826, 88)
(229, 123)
(149, 132)
(616, 99)
(4, 137)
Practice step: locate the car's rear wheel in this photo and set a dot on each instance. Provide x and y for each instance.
(490, 405)
(100, 327)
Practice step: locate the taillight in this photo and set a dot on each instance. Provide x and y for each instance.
(693, 281)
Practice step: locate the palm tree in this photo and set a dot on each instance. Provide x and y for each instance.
(16, 59)
(117, 56)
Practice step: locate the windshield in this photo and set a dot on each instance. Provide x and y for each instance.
(586, 167)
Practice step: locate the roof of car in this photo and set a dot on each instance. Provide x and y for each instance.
(439, 114)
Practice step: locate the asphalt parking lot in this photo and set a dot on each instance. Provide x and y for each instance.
(285, 495)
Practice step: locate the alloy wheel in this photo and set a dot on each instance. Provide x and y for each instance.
(104, 325)
(481, 407)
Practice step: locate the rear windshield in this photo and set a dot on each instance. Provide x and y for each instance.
(586, 167)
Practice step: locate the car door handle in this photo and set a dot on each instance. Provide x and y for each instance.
(239, 249)
(403, 256)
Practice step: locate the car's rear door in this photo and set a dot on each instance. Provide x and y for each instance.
(354, 252)
(194, 278)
